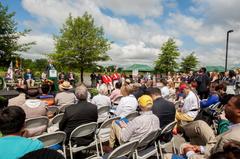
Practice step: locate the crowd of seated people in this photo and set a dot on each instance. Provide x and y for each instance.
(149, 99)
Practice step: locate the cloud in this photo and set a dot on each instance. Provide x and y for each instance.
(132, 53)
(135, 37)
(196, 28)
(140, 42)
(141, 9)
(44, 45)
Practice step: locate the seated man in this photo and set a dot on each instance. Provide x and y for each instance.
(162, 108)
(232, 111)
(20, 99)
(139, 127)
(190, 107)
(13, 145)
(29, 78)
(77, 114)
(65, 97)
(34, 107)
(46, 96)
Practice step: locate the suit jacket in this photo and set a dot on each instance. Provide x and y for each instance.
(75, 115)
(164, 110)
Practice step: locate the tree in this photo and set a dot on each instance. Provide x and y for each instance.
(80, 44)
(167, 58)
(189, 63)
(9, 37)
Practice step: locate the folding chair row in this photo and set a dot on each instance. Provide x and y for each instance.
(146, 147)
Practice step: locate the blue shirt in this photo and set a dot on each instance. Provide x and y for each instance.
(14, 147)
(212, 99)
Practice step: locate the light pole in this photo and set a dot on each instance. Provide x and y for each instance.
(228, 32)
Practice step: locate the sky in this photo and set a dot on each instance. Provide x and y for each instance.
(138, 28)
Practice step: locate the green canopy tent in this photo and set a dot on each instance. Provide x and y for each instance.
(215, 68)
(139, 67)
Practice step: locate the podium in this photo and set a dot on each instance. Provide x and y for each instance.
(52, 75)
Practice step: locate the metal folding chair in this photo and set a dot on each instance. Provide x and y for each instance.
(54, 138)
(82, 131)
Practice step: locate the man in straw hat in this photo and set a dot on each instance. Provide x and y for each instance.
(139, 127)
(65, 97)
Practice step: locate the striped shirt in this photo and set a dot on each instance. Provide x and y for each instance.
(140, 127)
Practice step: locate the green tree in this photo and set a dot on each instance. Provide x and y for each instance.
(167, 58)
(80, 44)
(40, 64)
(189, 63)
(9, 37)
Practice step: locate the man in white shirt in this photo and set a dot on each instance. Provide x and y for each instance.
(190, 108)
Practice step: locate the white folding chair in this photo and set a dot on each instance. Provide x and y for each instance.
(53, 109)
(145, 149)
(102, 111)
(166, 130)
(215, 106)
(116, 101)
(103, 132)
(82, 131)
(126, 149)
(132, 115)
(57, 118)
(54, 138)
(54, 123)
(36, 126)
(177, 103)
(62, 108)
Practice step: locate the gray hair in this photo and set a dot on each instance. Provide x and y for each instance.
(81, 92)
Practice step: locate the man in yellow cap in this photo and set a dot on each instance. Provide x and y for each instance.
(139, 127)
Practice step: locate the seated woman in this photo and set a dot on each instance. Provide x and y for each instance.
(128, 103)
(213, 97)
(45, 96)
(13, 143)
(116, 94)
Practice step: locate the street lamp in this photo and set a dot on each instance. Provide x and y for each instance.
(228, 32)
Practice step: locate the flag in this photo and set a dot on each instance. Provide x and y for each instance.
(10, 71)
(17, 63)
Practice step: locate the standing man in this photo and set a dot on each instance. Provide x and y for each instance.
(203, 81)
(52, 75)
(115, 78)
(93, 77)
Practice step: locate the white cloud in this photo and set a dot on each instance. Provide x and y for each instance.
(44, 45)
(132, 53)
(142, 9)
(201, 33)
(132, 35)
(140, 42)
